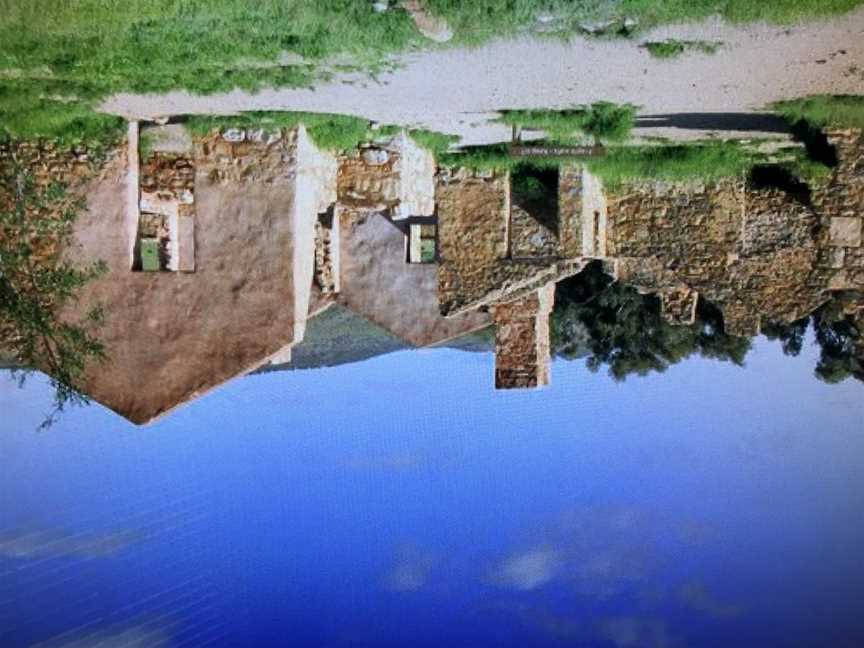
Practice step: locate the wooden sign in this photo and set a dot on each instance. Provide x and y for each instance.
(551, 150)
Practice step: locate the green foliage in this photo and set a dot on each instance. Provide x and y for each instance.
(31, 109)
(433, 141)
(671, 48)
(35, 284)
(700, 161)
(624, 331)
(328, 131)
(839, 337)
(478, 21)
(603, 120)
(58, 59)
(821, 111)
(654, 12)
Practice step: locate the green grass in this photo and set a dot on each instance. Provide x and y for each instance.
(602, 120)
(821, 111)
(670, 48)
(58, 58)
(436, 143)
(328, 131)
(54, 110)
(701, 162)
(477, 21)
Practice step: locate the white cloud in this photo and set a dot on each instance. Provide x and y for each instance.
(55, 544)
(409, 571)
(145, 635)
(528, 570)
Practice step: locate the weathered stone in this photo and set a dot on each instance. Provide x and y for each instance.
(522, 340)
(375, 157)
(234, 135)
(846, 231)
(432, 27)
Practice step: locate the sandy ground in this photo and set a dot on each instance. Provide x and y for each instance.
(458, 90)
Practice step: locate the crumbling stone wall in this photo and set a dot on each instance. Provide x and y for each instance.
(369, 179)
(326, 268)
(49, 162)
(522, 340)
(530, 237)
(244, 157)
(750, 251)
(841, 204)
(474, 269)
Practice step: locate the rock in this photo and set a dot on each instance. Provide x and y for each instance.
(375, 156)
(630, 24)
(432, 27)
(161, 121)
(234, 135)
(380, 7)
(600, 27)
(846, 231)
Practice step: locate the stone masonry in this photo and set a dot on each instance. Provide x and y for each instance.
(522, 340)
(475, 266)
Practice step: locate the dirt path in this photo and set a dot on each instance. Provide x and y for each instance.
(458, 90)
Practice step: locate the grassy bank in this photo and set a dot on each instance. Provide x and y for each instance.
(477, 21)
(602, 120)
(824, 111)
(59, 58)
(699, 162)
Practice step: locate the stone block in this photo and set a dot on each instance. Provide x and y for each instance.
(186, 243)
(845, 231)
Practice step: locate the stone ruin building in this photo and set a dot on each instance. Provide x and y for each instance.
(221, 250)
(759, 251)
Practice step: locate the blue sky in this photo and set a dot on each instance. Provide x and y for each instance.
(402, 498)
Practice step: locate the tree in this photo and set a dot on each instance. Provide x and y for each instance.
(839, 335)
(35, 223)
(615, 326)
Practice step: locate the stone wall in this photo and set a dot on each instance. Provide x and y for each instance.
(522, 340)
(326, 252)
(570, 205)
(753, 252)
(48, 162)
(841, 203)
(474, 268)
(370, 179)
(396, 177)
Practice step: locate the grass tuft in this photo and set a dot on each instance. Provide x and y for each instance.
(328, 131)
(433, 141)
(603, 120)
(824, 111)
(670, 48)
